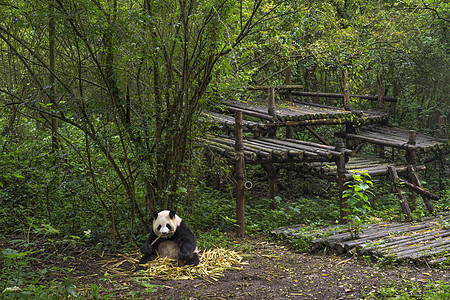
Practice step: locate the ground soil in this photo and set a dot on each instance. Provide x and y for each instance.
(271, 271)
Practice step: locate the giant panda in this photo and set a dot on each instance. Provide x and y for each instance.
(172, 238)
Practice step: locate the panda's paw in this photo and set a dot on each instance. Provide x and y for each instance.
(140, 268)
(183, 256)
(188, 259)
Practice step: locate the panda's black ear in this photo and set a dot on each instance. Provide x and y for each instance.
(172, 214)
(155, 215)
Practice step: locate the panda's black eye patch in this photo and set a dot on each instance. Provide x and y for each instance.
(169, 227)
(159, 227)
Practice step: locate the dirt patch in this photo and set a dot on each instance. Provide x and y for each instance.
(271, 271)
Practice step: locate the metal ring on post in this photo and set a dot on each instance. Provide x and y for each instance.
(248, 185)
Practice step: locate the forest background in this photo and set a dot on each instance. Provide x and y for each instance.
(100, 99)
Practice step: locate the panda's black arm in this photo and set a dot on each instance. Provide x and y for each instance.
(148, 251)
(186, 240)
(148, 248)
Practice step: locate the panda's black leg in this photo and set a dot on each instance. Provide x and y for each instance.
(194, 260)
(145, 259)
(191, 260)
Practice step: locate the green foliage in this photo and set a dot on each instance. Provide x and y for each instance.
(18, 281)
(406, 290)
(358, 200)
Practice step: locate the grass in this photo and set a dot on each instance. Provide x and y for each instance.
(407, 289)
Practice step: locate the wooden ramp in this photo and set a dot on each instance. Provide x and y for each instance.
(427, 241)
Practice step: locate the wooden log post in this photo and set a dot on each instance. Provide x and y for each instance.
(271, 109)
(289, 172)
(271, 102)
(239, 173)
(442, 153)
(441, 127)
(380, 106)
(340, 163)
(346, 90)
(271, 170)
(412, 160)
(404, 202)
(380, 92)
(288, 74)
(349, 142)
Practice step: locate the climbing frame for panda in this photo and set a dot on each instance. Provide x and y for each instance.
(331, 162)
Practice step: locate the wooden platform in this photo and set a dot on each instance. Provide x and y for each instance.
(427, 241)
(319, 160)
(258, 150)
(374, 166)
(301, 113)
(396, 137)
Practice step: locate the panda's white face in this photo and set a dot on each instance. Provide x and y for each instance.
(165, 223)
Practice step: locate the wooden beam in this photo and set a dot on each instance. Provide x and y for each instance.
(401, 194)
(277, 87)
(418, 189)
(316, 135)
(338, 95)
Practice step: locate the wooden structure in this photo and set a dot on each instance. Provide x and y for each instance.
(427, 241)
(335, 163)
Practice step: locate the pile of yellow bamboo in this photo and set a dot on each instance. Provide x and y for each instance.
(213, 263)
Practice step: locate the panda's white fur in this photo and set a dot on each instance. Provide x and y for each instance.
(168, 249)
(164, 225)
(170, 237)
